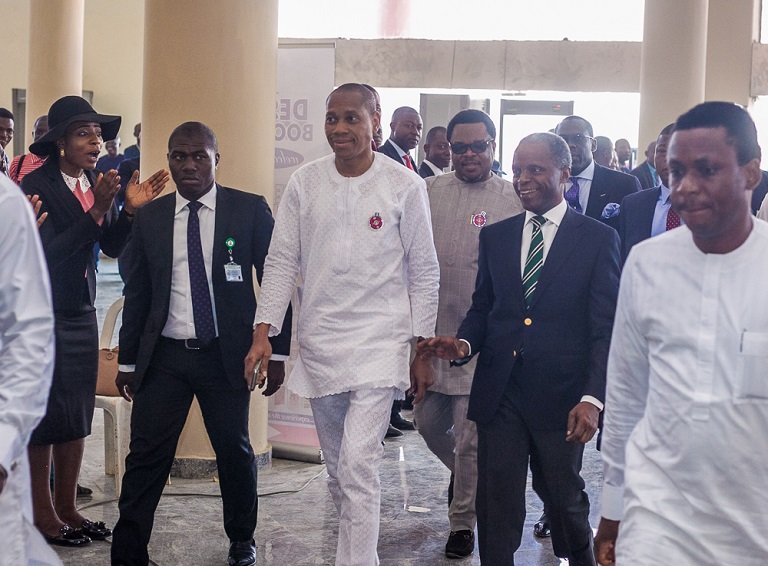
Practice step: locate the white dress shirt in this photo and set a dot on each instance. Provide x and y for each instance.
(365, 292)
(685, 446)
(585, 185)
(401, 152)
(435, 169)
(26, 368)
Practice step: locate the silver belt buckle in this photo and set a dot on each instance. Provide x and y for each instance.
(187, 346)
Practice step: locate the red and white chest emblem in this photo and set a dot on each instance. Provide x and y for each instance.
(375, 221)
(480, 219)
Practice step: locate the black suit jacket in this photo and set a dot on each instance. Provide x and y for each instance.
(68, 237)
(425, 171)
(644, 175)
(609, 186)
(636, 218)
(389, 150)
(558, 347)
(242, 216)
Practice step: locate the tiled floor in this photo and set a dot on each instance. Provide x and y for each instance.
(297, 521)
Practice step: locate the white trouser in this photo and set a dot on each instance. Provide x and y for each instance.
(351, 427)
(442, 421)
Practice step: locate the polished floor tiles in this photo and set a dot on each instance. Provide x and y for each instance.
(297, 521)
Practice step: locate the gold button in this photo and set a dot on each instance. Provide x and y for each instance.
(527, 322)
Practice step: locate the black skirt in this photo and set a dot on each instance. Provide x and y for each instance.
(73, 391)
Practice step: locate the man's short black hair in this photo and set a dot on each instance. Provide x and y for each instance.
(5, 113)
(587, 125)
(667, 130)
(188, 128)
(472, 116)
(736, 121)
(433, 132)
(365, 92)
(561, 153)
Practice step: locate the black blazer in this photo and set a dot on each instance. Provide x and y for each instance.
(644, 175)
(558, 347)
(636, 218)
(68, 237)
(389, 150)
(425, 171)
(609, 186)
(243, 216)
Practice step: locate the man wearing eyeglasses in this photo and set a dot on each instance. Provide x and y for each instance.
(462, 203)
(592, 189)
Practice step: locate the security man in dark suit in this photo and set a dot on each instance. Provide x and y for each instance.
(406, 128)
(187, 326)
(540, 322)
(592, 189)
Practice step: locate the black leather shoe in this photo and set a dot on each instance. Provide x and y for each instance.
(242, 553)
(84, 492)
(97, 531)
(392, 432)
(68, 537)
(541, 528)
(401, 423)
(460, 544)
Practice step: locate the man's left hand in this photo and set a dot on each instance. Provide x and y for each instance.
(138, 194)
(275, 377)
(422, 377)
(605, 542)
(582, 422)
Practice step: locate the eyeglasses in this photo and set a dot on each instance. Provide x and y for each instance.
(476, 146)
(575, 139)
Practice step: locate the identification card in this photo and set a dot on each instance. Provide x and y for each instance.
(233, 272)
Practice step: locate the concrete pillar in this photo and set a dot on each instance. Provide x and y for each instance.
(215, 64)
(55, 55)
(731, 30)
(673, 63)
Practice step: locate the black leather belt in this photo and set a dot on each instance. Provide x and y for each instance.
(191, 343)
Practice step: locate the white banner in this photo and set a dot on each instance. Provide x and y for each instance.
(305, 77)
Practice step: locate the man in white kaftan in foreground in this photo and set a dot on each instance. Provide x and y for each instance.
(26, 367)
(355, 226)
(686, 424)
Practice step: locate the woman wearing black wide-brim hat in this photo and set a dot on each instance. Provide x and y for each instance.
(80, 212)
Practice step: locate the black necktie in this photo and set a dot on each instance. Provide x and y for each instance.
(202, 309)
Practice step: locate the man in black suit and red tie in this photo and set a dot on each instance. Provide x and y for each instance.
(592, 189)
(540, 322)
(187, 326)
(649, 212)
(406, 128)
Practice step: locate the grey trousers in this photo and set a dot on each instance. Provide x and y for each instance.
(442, 421)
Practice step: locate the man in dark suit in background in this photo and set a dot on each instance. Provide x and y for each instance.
(592, 189)
(649, 212)
(540, 321)
(406, 128)
(187, 326)
(646, 172)
(437, 153)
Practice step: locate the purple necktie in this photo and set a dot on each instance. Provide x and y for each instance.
(572, 195)
(202, 310)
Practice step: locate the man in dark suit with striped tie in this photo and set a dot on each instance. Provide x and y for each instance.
(540, 322)
(406, 128)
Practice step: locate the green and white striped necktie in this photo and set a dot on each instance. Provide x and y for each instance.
(535, 259)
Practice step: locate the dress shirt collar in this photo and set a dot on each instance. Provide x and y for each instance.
(554, 214)
(208, 200)
(400, 151)
(435, 169)
(588, 173)
(664, 195)
(71, 182)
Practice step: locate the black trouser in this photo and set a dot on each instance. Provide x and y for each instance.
(160, 408)
(504, 447)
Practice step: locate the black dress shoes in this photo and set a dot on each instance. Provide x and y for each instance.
(460, 544)
(400, 423)
(68, 536)
(97, 531)
(392, 432)
(541, 528)
(242, 553)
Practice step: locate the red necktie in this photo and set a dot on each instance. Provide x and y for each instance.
(86, 198)
(673, 219)
(407, 159)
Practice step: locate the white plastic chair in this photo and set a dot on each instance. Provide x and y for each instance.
(117, 411)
